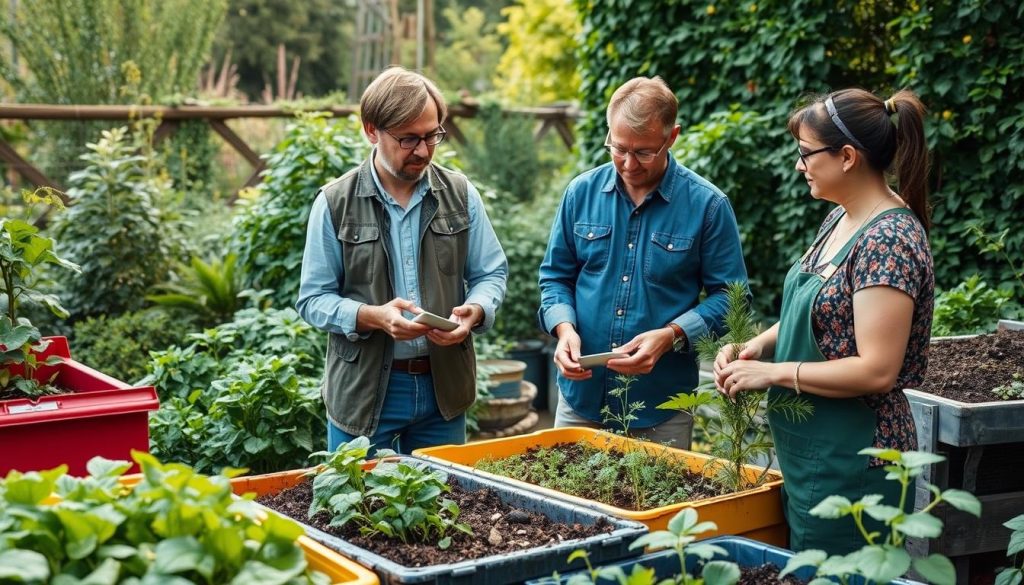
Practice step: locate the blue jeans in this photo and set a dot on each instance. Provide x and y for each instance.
(409, 419)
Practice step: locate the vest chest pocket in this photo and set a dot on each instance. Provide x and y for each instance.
(450, 235)
(667, 258)
(360, 245)
(593, 244)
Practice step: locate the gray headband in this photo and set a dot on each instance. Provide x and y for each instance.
(834, 114)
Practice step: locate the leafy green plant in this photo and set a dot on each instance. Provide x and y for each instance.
(397, 499)
(884, 557)
(269, 235)
(23, 255)
(970, 307)
(210, 292)
(174, 526)
(1014, 574)
(683, 530)
(739, 432)
(245, 393)
(121, 345)
(114, 229)
(1012, 391)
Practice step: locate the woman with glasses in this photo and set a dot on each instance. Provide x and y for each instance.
(856, 310)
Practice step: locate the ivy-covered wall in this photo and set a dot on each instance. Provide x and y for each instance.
(739, 68)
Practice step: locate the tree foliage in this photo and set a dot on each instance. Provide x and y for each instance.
(470, 51)
(540, 65)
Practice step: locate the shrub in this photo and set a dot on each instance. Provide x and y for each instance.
(209, 293)
(269, 235)
(120, 345)
(114, 229)
(970, 307)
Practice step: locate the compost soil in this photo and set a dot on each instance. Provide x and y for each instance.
(497, 528)
(968, 369)
(766, 574)
(700, 487)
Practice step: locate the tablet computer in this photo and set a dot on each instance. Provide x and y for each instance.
(599, 359)
(435, 321)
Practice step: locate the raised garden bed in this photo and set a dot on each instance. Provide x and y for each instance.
(532, 535)
(755, 513)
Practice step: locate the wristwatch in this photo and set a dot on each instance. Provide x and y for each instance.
(679, 342)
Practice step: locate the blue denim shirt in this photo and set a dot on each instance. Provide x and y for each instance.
(320, 303)
(615, 270)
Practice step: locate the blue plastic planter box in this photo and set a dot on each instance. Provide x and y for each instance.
(508, 567)
(742, 551)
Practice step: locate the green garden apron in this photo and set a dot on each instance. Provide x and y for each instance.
(818, 456)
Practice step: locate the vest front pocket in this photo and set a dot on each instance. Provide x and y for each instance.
(593, 244)
(359, 246)
(448, 231)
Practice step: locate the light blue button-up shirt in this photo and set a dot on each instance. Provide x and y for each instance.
(321, 304)
(615, 270)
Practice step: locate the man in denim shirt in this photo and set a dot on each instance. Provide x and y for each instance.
(633, 245)
(387, 240)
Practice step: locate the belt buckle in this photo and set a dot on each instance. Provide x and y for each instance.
(419, 366)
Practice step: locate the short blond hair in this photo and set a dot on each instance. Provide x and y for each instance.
(397, 96)
(643, 100)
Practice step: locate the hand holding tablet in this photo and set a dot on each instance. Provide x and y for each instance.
(599, 359)
(435, 321)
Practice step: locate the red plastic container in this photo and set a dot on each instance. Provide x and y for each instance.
(101, 416)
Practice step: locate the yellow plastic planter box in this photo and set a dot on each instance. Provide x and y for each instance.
(754, 513)
(321, 558)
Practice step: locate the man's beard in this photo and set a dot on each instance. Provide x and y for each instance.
(401, 173)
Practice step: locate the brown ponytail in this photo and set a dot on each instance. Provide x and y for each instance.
(891, 143)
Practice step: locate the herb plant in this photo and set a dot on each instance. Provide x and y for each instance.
(24, 254)
(174, 526)
(884, 557)
(682, 531)
(739, 434)
(1014, 574)
(1012, 391)
(397, 499)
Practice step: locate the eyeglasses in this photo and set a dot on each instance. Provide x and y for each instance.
(411, 142)
(641, 156)
(806, 155)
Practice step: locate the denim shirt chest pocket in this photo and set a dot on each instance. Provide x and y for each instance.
(668, 258)
(593, 244)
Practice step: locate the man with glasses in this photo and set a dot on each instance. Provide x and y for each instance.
(390, 239)
(634, 245)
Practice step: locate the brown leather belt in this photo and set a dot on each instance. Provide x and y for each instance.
(412, 366)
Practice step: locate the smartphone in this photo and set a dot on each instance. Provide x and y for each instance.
(435, 321)
(599, 359)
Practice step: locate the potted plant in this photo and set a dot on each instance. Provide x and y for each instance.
(414, 521)
(167, 525)
(54, 410)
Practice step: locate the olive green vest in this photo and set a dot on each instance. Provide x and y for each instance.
(357, 372)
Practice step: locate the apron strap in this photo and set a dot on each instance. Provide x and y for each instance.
(840, 256)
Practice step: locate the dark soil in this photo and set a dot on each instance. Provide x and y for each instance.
(968, 369)
(690, 486)
(482, 510)
(765, 574)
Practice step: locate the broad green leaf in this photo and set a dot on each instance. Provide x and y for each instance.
(257, 572)
(81, 535)
(721, 573)
(178, 555)
(811, 557)
(705, 551)
(1016, 523)
(963, 501)
(832, 507)
(883, 454)
(921, 458)
(444, 543)
(22, 566)
(683, 521)
(1010, 577)
(883, 513)
(1016, 544)
(655, 540)
(920, 525)
(101, 467)
(882, 564)
(576, 555)
(936, 569)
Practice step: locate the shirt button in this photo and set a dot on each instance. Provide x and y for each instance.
(669, 246)
(630, 245)
(619, 312)
(356, 238)
(590, 236)
(615, 345)
(625, 279)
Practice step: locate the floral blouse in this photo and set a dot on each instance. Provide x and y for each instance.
(893, 252)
